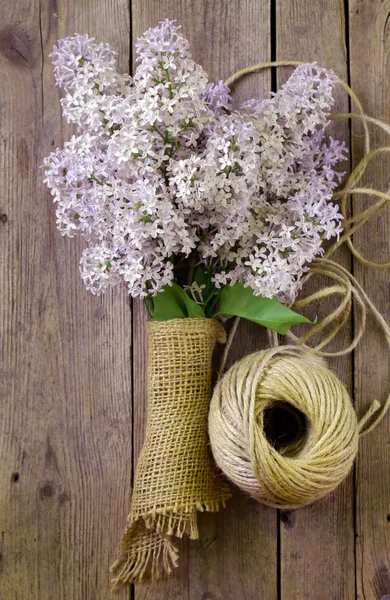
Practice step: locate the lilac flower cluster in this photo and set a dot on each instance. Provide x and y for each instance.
(162, 169)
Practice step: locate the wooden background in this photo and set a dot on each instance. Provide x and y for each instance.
(72, 371)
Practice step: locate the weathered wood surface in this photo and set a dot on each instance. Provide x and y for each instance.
(69, 361)
(216, 566)
(65, 395)
(370, 74)
(317, 542)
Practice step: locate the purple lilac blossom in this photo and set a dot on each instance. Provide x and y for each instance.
(217, 96)
(162, 167)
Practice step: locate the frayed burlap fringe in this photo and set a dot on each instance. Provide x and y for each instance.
(175, 476)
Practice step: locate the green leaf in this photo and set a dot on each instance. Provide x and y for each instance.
(237, 300)
(173, 303)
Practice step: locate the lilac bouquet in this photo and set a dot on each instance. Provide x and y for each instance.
(181, 198)
(203, 211)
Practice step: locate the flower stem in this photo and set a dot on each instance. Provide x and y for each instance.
(208, 310)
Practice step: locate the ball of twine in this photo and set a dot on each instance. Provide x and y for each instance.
(300, 472)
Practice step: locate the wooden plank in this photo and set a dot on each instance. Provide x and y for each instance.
(65, 395)
(370, 69)
(317, 543)
(235, 556)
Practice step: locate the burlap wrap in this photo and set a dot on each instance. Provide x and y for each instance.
(176, 475)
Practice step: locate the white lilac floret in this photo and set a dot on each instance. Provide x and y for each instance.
(163, 169)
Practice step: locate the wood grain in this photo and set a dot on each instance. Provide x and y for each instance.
(70, 361)
(317, 543)
(65, 445)
(224, 37)
(370, 71)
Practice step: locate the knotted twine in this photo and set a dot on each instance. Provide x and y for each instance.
(175, 476)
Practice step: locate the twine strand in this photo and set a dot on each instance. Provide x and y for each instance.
(228, 345)
(352, 288)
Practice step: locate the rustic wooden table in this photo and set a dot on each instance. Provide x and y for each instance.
(72, 384)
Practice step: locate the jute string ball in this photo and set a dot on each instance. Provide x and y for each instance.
(305, 470)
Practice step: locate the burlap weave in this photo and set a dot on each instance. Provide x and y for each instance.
(176, 474)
